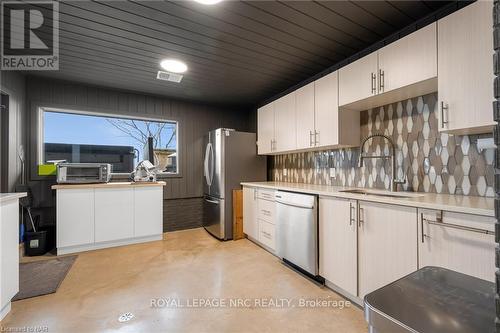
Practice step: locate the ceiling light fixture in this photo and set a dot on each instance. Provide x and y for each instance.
(208, 2)
(173, 65)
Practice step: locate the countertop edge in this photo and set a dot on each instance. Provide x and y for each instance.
(4, 197)
(408, 202)
(107, 185)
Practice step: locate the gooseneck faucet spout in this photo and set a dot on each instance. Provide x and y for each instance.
(392, 156)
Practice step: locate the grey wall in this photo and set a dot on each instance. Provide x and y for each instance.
(194, 121)
(13, 84)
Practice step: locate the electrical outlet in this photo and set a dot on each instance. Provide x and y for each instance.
(333, 173)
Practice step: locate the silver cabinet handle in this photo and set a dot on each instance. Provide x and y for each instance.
(351, 218)
(374, 84)
(360, 217)
(444, 107)
(310, 139)
(212, 201)
(381, 80)
(268, 235)
(316, 138)
(457, 226)
(422, 219)
(266, 212)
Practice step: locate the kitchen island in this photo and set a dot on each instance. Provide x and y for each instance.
(9, 249)
(96, 216)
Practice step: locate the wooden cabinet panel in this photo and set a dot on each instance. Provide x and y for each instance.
(338, 242)
(356, 79)
(250, 207)
(305, 116)
(465, 75)
(148, 211)
(408, 60)
(463, 251)
(75, 217)
(326, 110)
(114, 214)
(285, 123)
(387, 244)
(265, 129)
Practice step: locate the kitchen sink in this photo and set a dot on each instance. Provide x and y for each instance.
(383, 193)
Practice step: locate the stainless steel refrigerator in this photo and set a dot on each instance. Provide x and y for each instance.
(230, 158)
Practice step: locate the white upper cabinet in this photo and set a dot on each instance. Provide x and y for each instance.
(408, 60)
(327, 111)
(305, 116)
(265, 129)
(285, 123)
(358, 80)
(465, 74)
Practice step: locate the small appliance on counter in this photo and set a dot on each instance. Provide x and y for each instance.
(83, 173)
(144, 172)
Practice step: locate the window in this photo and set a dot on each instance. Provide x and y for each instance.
(123, 142)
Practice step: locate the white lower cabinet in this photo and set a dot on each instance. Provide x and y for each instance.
(338, 243)
(259, 209)
(75, 217)
(148, 210)
(93, 218)
(9, 254)
(114, 214)
(387, 247)
(457, 242)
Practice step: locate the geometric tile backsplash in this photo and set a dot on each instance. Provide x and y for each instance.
(429, 161)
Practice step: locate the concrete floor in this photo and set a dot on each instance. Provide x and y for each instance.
(186, 266)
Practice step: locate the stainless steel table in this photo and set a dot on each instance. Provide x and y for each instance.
(432, 299)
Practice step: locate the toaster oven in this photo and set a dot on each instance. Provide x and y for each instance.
(83, 173)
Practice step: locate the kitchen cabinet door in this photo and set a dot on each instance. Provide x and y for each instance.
(114, 214)
(357, 80)
(326, 110)
(461, 250)
(9, 250)
(285, 123)
(465, 75)
(408, 60)
(148, 211)
(265, 129)
(387, 244)
(250, 210)
(338, 242)
(305, 116)
(75, 217)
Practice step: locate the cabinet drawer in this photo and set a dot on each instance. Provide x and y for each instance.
(267, 234)
(266, 194)
(267, 210)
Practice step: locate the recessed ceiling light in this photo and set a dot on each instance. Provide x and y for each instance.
(208, 2)
(173, 65)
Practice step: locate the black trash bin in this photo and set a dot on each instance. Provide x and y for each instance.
(35, 243)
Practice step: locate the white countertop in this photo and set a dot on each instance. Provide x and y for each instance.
(107, 185)
(4, 197)
(446, 202)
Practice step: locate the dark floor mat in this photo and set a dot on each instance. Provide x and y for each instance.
(42, 277)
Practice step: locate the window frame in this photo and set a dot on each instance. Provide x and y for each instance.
(114, 175)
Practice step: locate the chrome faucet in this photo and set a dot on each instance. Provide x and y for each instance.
(392, 156)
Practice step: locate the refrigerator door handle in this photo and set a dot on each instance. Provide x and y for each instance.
(205, 169)
(213, 164)
(212, 201)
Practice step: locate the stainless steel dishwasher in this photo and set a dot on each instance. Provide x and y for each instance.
(297, 216)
